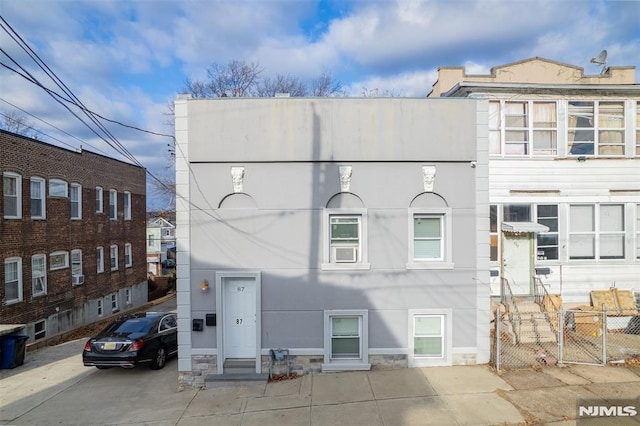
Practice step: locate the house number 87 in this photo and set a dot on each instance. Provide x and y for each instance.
(238, 321)
(240, 289)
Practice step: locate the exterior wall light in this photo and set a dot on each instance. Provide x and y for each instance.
(204, 286)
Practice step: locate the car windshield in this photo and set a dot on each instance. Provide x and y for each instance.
(134, 325)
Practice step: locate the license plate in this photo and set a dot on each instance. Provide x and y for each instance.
(109, 346)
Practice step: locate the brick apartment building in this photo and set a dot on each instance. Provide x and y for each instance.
(72, 236)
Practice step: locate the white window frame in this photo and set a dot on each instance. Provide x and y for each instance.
(362, 262)
(40, 182)
(17, 280)
(17, 196)
(99, 260)
(546, 220)
(99, 199)
(444, 359)
(637, 146)
(42, 333)
(114, 302)
(596, 127)
(113, 204)
(75, 195)
(128, 259)
(499, 127)
(41, 289)
(597, 233)
(113, 257)
(341, 364)
(637, 231)
(53, 260)
(99, 307)
(58, 188)
(446, 246)
(127, 205)
(127, 296)
(76, 267)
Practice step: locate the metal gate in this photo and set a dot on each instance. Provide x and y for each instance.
(583, 337)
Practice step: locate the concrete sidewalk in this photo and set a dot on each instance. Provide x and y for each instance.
(53, 387)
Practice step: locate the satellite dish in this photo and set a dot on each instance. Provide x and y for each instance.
(601, 59)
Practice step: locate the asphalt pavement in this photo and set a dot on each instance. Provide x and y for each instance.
(54, 388)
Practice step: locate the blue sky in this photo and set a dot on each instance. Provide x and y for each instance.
(126, 60)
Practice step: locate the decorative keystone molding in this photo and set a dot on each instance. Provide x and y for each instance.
(428, 177)
(237, 176)
(345, 178)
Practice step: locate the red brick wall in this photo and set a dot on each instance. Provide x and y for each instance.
(25, 237)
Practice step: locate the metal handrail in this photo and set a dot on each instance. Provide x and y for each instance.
(512, 309)
(539, 293)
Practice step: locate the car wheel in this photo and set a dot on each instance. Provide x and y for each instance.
(160, 359)
(102, 367)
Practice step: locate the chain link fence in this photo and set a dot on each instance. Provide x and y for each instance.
(524, 339)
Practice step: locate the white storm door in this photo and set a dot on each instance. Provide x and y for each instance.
(517, 261)
(239, 307)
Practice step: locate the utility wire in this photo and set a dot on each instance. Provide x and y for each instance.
(76, 101)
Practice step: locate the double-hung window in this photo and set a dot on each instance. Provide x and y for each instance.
(113, 204)
(12, 195)
(114, 302)
(37, 194)
(596, 231)
(428, 336)
(77, 276)
(12, 280)
(99, 199)
(127, 205)
(345, 243)
(40, 329)
(523, 128)
(39, 274)
(345, 238)
(127, 256)
(638, 231)
(346, 340)
(76, 201)
(596, 127)
(638, 129)
(547, 242)
(430, 238)
(113, 255)
(99, 259)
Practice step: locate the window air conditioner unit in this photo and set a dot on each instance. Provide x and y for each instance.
(345, 254)
(77, 279)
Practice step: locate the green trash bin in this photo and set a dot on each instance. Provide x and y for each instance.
(13, 350)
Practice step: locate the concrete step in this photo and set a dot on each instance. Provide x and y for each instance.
(235, 379)
(535, 338)
(528, 307)
(239, 366)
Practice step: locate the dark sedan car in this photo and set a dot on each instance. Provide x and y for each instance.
(141, 339)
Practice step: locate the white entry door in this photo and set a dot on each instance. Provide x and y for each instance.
(517, 258)
(239, 322)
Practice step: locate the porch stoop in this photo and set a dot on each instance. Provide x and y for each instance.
(535, 327)
(236, 371)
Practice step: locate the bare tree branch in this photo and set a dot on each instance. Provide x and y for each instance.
(268, 87)
(13, 121)
(325, 85)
